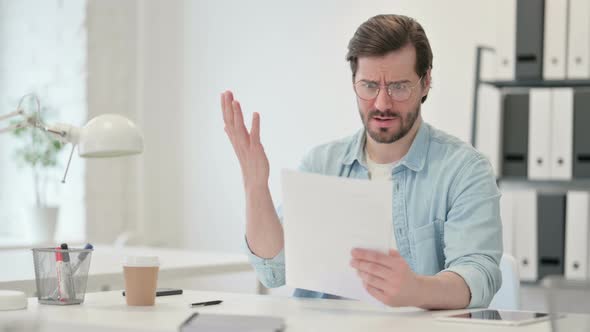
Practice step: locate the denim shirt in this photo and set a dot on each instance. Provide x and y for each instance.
(446, 212)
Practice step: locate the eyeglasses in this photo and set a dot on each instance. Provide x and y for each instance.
(367, 90)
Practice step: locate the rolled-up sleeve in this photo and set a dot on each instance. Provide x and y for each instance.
(473, 231)
(270, 271)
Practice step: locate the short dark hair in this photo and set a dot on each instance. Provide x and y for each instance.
(382, 34)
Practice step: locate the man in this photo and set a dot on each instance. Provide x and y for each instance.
(446, 201)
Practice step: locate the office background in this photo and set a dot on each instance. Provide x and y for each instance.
(164, 64)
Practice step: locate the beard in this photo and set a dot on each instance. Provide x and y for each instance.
(390, 135)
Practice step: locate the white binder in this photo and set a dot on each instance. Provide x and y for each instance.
(562, 137)
(539, 134)
(487, 69)
(577, 258)
(525, 235)
(506, 40)
(555, 34)
(489, 124)
(578, 53)
(507, 214)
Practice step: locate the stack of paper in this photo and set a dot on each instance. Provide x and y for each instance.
(325, 217)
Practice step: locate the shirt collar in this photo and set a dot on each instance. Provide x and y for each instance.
(356, 149)
(414, 159)
(416, 156)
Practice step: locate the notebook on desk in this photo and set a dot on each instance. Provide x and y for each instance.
(232, 323)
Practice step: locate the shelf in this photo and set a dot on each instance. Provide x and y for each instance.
(539, 83)
(544, 185)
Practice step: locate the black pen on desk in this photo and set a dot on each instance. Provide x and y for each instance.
(199, 304)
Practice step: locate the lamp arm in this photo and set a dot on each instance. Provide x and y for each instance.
(63, 132)
(66, 134)
(30, 121)
(12, 128)
(11, 115)
(16, 113)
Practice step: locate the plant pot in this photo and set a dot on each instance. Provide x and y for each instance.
(43, 224)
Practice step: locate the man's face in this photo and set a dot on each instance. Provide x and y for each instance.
(387, 120)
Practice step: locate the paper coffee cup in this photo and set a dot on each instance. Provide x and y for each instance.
(141, 279)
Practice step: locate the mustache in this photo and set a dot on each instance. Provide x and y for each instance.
(388, 113)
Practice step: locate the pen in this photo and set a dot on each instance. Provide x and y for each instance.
(67, 277)
(81, 258)
(61, 288)
(206, 303)
(74, 268)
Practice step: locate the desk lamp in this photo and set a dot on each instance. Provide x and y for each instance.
(107, 135)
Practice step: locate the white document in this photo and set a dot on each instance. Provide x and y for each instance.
(555, 39)
(325, 217)
(578, 53)
(562, 133)
(539, 134)
(577, 235)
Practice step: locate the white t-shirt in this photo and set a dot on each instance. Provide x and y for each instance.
(379, 171)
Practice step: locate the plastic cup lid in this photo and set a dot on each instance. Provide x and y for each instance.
(141, 261)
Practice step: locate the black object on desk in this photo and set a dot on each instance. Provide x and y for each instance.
(197, 304)
(166, 291)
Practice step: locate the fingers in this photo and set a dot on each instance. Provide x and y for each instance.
(394, 253)
(223, 108)
(255, 130)
(376, 293)
(378, 270)
(372, 256)
(226, 101)
(239, 127)
(373, 281)
(235, 128)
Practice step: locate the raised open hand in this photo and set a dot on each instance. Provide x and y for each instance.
(247, 146)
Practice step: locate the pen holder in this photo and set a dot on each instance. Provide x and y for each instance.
(61, 274)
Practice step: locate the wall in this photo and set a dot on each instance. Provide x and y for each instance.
(286, 61)
(161, 91)
(135, 69)
(164, 64)
(111, 196)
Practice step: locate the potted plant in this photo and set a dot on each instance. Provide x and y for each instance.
(39, 153)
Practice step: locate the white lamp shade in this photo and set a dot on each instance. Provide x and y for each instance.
(109, 135)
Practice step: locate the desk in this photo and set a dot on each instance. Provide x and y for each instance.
(106, 311)
(18, 273)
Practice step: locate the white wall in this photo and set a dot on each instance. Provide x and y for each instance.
(165, 63)
(163, 119)
(111, 191)
(286, 61)
(135, 69)
(282, 59)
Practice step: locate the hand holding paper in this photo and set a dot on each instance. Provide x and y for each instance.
(386, 276)
(325, 217)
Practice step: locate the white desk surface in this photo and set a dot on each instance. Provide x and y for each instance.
(107, 311)
(18, 273)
